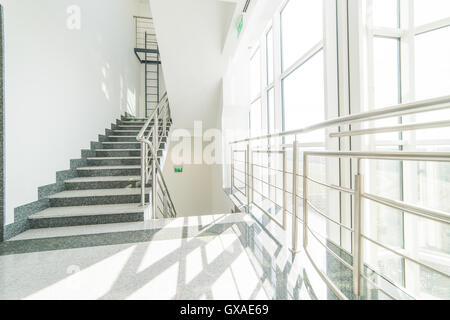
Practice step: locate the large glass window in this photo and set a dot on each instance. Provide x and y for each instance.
(303, 94)
(428, 11)
(385, 13)
(256, 119)
(401, 68)
(270, 57)
(402, 55)
(386, 72)
(255, 75)
(301, 29)
(271, 110)
(432, 63)
(302, 49)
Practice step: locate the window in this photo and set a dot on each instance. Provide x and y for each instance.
(386, 72)
(256, 119)
(426, 69)
(303, 92)
(302, 51)
(301, 29)
(255, 75)
(432, 63)
(428, 11)
(385, 13)
(386, 81)
(270, 57)
(402, 56)
(271, 110)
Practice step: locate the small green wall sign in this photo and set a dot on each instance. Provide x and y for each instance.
(178, 170)
(240, 25)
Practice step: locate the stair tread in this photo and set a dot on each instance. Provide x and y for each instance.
(96, 193)
(117, 150)
(161, 225)
(77, 211)
(120, 142)
(121, 136)
(113, 158)
(111, 167)
(104, 179)
(134, 130)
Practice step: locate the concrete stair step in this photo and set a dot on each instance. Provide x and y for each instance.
(138, 122)
(86, 215)
(96, 197)
(121, 145)
(109, 182)
(118, 152)
(132, 126)
(171, 228)
(126, 145)
(113, 161)
(105, 171)
(128, 138)
(134, 132)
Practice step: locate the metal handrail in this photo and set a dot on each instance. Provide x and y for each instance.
(152, 115)
(357, 191)
(382, 113)
(149, 154)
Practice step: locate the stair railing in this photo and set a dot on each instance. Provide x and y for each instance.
(255, 155)
(151, 139)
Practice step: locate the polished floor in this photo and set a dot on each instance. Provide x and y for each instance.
(199, 265)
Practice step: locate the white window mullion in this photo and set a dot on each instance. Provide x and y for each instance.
(276, 29)
(263, 82)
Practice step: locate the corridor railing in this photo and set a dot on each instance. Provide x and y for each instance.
(152, 137)
(272, 174)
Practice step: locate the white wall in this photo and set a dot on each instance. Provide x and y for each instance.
(197, 190)
(236, 79)
(63, 87)
(191, 35)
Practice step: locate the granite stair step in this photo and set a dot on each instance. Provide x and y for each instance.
(134, 126)
(105, 171)
(96, 197)
(131, 138)
(113, 161)
(86, 215)
(126, 145)
(118, 152)
(110, 182)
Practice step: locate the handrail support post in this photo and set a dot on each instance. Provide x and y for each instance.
(305, 201)
(357, 236)
(143, 171)
(294, 195)
(154, 159)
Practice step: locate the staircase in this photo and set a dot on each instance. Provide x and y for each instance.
(108, 188)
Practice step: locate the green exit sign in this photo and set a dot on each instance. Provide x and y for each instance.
(178, 170)
(240, 25)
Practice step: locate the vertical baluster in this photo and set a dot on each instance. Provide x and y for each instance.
(284, 190)
(146, 80)
(247, 174)
(155, 158)
(357, 239)
(164, 123)
(232, 170)
(294, 195)
(143, 172)
(305, 201)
